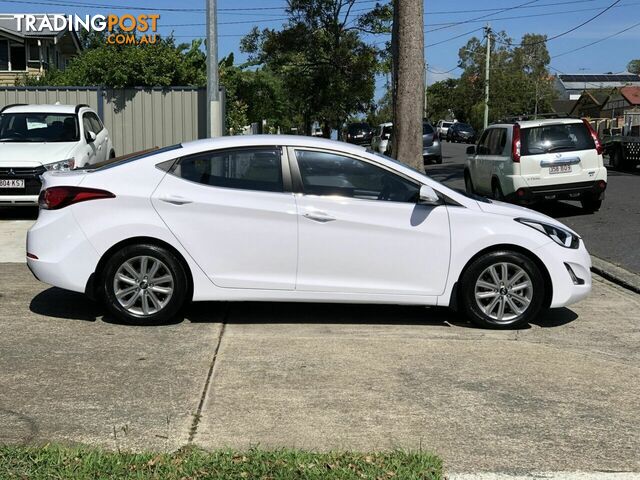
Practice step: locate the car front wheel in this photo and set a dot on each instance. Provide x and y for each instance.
(502, 289)
(144, 285)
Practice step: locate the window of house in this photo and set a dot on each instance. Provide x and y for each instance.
(18, 58)
(34, 52)
(4, 55)
(247, 169)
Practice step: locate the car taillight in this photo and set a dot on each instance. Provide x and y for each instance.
(55, 198)
(594, 135)
(515, 144)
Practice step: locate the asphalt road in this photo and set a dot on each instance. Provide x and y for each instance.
(613, 233)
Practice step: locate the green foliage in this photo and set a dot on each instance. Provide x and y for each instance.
(162, 64)
(634, 66)
(49, 462)
(519, 81)
(326, 68)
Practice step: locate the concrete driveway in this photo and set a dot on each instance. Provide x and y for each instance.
(563, 394)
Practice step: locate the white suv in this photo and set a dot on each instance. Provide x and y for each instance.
(525, 161)
(37, 138)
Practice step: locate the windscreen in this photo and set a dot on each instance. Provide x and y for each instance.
(561, 137)
(427, 129)
(38, 127)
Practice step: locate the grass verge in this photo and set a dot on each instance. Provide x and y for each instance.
(54, 462)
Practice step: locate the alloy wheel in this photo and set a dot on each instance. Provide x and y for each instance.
(143, 285)
(503, 291)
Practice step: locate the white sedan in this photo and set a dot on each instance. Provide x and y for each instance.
(279, 218)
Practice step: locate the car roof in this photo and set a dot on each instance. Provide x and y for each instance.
(386, 124)
(37, 108)
(272, 140)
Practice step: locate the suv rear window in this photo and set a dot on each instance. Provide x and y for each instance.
(427, 129)
(560, 137)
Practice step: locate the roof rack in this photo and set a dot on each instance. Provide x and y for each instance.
(531, 116)
(11, 106)
(81, 105)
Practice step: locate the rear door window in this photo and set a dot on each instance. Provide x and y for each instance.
(561, 137)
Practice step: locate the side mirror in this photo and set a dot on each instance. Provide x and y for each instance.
(428, 196)
(90, 136)
(471, 150)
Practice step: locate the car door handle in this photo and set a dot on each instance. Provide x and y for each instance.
(175, 200)
(321, 217)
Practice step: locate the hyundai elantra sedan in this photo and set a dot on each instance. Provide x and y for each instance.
(299, 219)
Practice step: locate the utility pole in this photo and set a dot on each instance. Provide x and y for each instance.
(407, 41)
(214, 105)
(487, 30)
(426, 101)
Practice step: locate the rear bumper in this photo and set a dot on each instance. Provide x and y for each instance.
(565, 191)
(18, 200)
(433, 151)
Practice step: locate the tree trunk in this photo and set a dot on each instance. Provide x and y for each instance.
(408, 81)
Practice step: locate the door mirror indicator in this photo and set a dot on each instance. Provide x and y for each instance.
(428, 196)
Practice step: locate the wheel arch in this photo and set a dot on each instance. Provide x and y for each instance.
(548, 291)
(91, 289)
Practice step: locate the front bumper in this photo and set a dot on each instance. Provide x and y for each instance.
(567, 289)
(566, 191)
(27, 196)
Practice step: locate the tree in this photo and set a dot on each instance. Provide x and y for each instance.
(634, 66)
(327, 70)
(408, 81)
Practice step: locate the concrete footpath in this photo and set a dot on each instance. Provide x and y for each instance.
(562, 395)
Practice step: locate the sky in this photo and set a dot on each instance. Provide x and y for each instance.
(551, 17)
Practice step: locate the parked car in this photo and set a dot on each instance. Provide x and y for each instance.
(442, 127)
(431, 146)
(39, 138)
(461, 132)
(524, 161)
(381, 138)
(293, 218)
(359, 134)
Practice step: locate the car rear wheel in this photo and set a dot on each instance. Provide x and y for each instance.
(496, 191)
(468, 183)
(502, 289)
(144, 284)
(591, 203)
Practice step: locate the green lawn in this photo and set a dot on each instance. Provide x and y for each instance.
(56, 462)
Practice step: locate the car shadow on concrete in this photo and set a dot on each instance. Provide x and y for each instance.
(18, 213)
(57, 303)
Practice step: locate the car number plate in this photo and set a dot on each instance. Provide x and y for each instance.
(6, 183)
(560, 169)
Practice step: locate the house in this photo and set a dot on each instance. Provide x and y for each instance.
(624, 100)
(32, 52)
(563, 106)
(590, 104)
(570, 87)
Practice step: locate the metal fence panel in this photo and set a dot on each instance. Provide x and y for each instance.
(137, 118)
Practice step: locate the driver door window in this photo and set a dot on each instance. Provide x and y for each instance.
(329, 174)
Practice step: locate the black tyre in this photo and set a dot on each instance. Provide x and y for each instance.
(591, 203)
(468, 183)
(496, 191)
(439, 160)
(112, 155)
(615, 158)
(144, 285)
(502, 289)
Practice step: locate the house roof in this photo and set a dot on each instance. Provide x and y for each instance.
(563, 106)
(631, 94)
(604, 81)
(9, 26)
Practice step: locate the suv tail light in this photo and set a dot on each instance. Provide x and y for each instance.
(515, 144)
(594, 135)
(55, 198)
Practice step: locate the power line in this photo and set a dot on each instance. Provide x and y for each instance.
(469, 20)
(565, 32)
(597, 41)
(453, 38)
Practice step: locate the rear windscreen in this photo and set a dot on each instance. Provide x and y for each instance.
(427, 129)
(562, 137)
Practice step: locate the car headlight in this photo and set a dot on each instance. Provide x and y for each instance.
(561, 236)
(62, 165)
